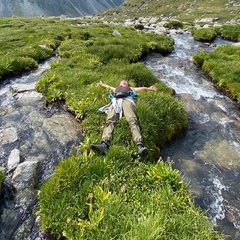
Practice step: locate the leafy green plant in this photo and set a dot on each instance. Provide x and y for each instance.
(114, 196)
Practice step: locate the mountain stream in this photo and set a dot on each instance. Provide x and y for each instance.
(208, 154)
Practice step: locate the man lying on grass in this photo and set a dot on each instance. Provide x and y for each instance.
(122, 104)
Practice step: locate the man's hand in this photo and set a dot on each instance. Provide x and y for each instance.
(99, 83)
(152, 88)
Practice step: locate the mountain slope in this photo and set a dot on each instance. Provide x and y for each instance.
(180, 9)
(71, 8)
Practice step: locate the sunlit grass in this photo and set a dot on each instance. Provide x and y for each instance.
(222, 66)
(182, 10)
(120, 195)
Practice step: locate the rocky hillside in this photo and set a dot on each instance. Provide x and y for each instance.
(224, 10)
(71, 8)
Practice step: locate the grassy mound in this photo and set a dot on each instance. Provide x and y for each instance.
(117, 196)
(204, 34)
(222, 66)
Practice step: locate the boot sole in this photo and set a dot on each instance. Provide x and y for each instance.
(96, 149)
(144, 153)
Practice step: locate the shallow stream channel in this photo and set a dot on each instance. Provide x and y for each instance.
(35, 138)
(208, 154)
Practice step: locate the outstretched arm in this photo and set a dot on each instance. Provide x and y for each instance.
(139, 89)
(106, 86)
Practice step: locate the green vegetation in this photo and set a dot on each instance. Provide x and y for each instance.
(173, 24)
(223, 65)
(204, 34)
(117, 195)
(181, 9)
(25, 42)
(97, 55)
(230, 32)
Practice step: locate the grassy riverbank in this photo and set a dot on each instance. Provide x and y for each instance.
(120, 195)
(222, 66)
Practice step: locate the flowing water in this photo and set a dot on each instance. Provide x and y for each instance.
(42, 137)
(208, 155)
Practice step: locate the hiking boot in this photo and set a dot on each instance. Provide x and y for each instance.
(142, 151)
(100, 148)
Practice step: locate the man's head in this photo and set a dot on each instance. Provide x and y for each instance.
(124, 83)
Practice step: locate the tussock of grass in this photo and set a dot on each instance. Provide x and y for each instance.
(204, 34)
(230, 32)
(114, 197)
(222, 66)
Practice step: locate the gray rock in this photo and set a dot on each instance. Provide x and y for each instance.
(13, 159)
(17, 88)
(25, 175)
(8, 135)
(62, 127)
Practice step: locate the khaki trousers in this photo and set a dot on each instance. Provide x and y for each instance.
(129, 112)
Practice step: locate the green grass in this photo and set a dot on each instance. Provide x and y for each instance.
(230, 32)
(222, 66)
(118, 196)
(25, 42)
(110, 59)
(182, 10)
(204, 34)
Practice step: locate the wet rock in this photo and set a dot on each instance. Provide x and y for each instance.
(13, 159)
(28, 97)
(25, 175)
(24, 231)
(220, 153)
(58, 127)
(18, 88)
(8, 135)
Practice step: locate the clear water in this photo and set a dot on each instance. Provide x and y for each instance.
(208, 154)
